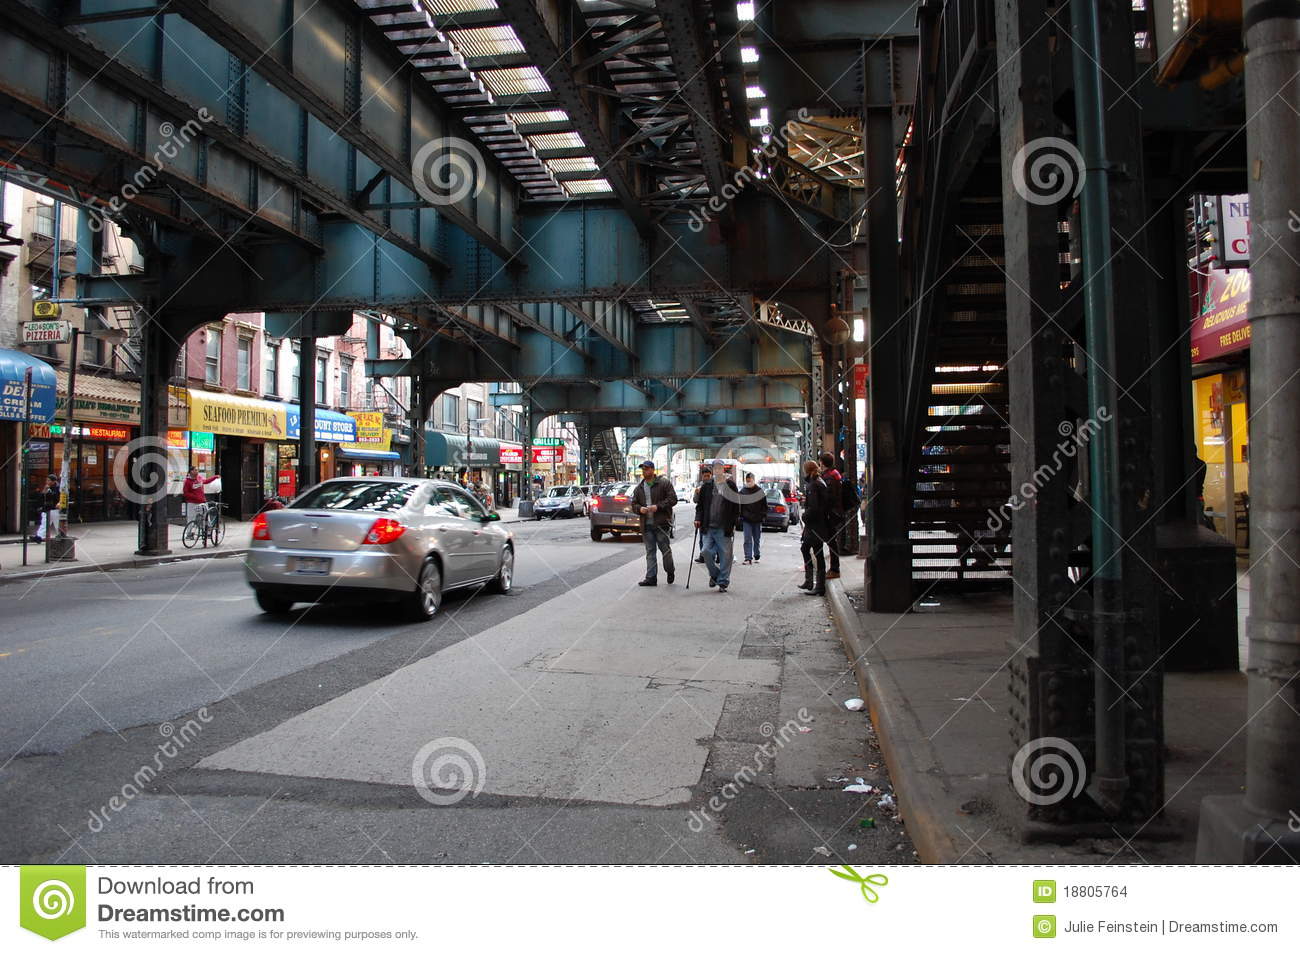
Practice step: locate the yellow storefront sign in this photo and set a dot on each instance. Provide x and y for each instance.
(371, 433)
(236, 416)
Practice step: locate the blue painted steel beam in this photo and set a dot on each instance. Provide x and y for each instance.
(330, 59)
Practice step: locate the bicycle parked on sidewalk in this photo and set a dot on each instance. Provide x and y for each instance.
(205, 525)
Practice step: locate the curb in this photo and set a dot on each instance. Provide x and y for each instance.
(55, 569)
(912, 766)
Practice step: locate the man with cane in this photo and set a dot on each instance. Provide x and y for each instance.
(654, 499)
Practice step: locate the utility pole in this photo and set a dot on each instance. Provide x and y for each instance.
(1263, 826)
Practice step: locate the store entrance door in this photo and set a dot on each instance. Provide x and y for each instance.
(250, 481)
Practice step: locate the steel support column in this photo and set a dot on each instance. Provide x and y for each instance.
(307, 471)
(1039, 381)
(159, 346)
(889, 564)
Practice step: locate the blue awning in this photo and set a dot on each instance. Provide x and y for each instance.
(331, 426)
(368, 455)
(13, 393)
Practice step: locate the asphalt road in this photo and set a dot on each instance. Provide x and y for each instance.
(101, 674)
(100, 652)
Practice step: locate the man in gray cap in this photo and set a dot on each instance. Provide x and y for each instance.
(654, 499)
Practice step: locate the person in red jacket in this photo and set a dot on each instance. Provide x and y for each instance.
(192, 491)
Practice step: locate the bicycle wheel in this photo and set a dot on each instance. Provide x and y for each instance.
(217, 532)
(190, 535)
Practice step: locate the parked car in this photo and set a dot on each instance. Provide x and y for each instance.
(560, 502)
(393, 539)
(793, 499)
(778, 512)
(611, 512)
(586, 490)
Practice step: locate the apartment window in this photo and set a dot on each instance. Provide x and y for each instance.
(345, 382)
(44, 219)
(322, 369)
(295, 379)
(450, 411)
(474, 414)
(212, 363)
(272, 365)
(244, 364)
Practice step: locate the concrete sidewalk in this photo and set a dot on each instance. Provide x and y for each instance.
(110, 546)
(936, 683)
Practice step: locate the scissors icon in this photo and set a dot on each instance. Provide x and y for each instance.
(868, 892)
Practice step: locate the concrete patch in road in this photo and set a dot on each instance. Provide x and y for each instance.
(615, 703)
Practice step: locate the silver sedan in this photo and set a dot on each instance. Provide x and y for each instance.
(391, 539)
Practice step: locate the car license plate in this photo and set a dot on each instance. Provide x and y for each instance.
(627, 521)
(316, 565)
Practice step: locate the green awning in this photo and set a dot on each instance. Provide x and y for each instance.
(452, 450)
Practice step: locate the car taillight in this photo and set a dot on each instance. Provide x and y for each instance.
(384, 530)
(595, 503)
(261, 530)
(779, 509)
(621, 498)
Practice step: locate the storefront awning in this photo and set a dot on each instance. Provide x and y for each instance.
(100, 398)
(368, 455)
(451, 450)
(236, 416)
(13, 394)
(331, 426)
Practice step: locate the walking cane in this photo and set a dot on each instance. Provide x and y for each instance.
(690, 566)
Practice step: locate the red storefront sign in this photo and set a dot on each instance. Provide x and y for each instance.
(512, 455)
(1221, 325)
(548, 455)
(860, 376)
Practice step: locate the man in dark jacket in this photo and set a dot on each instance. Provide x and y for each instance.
(753, 510)
(816, 508)
(716, 510)
(835, 511)
(654, 499)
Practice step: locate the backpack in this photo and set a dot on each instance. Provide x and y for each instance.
(848, 495)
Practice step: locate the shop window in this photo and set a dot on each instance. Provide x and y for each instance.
(212, 361)
(244, 364)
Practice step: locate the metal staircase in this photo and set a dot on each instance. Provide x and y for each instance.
(608, 461)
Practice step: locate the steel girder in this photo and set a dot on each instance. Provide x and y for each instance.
(249, 148)
(753, 417)
(701, 394)
(332, 61)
